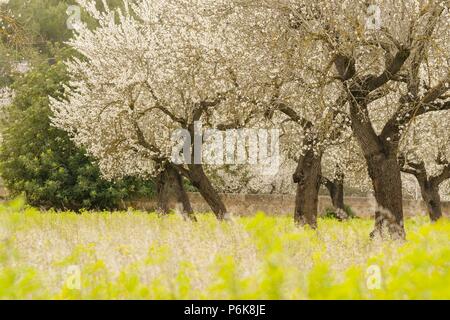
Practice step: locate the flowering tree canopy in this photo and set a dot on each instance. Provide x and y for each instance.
(344, 81)
(146, 71)
(390, 64)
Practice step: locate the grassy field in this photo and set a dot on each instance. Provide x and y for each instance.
(134, 255)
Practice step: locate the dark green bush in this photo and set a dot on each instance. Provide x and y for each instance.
(331, 214)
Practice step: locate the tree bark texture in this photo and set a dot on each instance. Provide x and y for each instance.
(336, 189)
(308, 178)
(200, 180)
(171, 194)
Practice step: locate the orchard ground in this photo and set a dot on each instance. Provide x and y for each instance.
(136, 255)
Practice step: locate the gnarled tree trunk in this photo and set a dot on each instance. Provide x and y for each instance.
(387, 184)
(171, 193)
(380, 150)
(336, 189)
(200, 180)
(430, 194)
(429, 186)
(307, 176)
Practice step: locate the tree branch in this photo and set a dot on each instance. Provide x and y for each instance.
(293, 115)
(411, 167)
(159, 105)
(389, 73)
(445, 175)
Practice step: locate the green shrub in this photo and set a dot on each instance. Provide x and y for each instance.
(330, 212)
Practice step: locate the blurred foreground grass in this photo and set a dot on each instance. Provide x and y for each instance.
(134, 255)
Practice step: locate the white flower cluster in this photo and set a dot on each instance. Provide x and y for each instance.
(6, 96)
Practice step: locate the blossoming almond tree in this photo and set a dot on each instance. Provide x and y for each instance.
(392, 70)
(425, 153)
(292, 96)
(145, 72)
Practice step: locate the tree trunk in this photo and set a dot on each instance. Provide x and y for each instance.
(336, 190)
(171, 194)
(201, 181)
(307, 177)
(386, 180)
(380, 153)
(429, 186)
(430, 194)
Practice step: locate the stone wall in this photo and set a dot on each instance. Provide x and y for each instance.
(248, 204)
